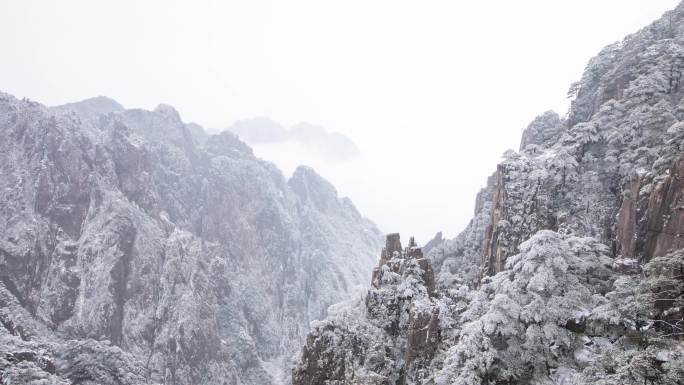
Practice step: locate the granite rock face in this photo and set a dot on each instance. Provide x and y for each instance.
(132, 239)
(570, 271)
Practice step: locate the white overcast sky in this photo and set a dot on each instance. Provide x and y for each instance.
(432, 92)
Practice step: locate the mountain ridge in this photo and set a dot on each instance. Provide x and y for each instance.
(137, 250)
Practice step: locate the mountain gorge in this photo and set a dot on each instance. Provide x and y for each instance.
(135, 248)
(571, 270)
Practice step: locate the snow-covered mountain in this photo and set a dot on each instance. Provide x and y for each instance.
(136, 249)
(572, 268)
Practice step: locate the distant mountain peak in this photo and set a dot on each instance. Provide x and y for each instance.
(168, 111)
(92, 107)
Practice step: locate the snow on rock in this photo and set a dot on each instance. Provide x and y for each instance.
(370, 341)
(135, 250)
(571, 270)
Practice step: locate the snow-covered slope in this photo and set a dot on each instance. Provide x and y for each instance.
(134, 248)
(571, 270)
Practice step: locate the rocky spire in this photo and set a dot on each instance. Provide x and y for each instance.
(394, 257)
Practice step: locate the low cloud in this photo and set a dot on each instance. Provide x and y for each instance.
(330, 146)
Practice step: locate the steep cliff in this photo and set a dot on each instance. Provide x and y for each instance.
(134, 248)
(570, 271)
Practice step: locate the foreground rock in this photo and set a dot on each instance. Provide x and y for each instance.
(381, 339)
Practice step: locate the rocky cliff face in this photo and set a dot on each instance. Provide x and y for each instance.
(134, 248)
(606, 170)
(570, 271)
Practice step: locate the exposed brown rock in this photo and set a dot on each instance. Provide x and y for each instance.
(423, 332)
(493, 258)
(665, 228)
(626, 232)
(392, 245)
(652, 224)
(428, 274)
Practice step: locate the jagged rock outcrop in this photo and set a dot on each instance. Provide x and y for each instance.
(600, 172)
(132, 239)
(457, 261)
(570, 271)
(437, 240)
(387, 336)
